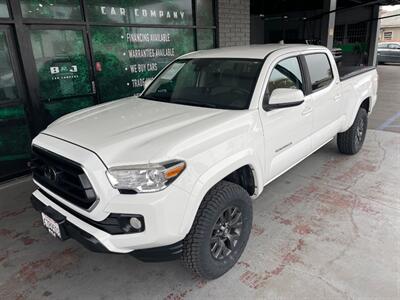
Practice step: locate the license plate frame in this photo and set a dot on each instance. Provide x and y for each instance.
(54, 226)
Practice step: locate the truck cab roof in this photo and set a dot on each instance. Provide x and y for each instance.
(251, 51)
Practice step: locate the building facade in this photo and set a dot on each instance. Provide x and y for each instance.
(58, 56)
(390, 26)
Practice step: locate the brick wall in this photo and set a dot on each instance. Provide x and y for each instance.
(233, 22)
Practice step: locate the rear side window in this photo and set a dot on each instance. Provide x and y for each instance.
(320, 70)
(382, 46)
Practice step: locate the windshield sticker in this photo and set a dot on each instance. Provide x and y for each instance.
(172, 71)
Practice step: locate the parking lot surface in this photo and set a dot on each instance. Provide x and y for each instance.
(327, 229)
(386, 114)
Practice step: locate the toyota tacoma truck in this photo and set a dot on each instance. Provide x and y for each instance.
(172, 173)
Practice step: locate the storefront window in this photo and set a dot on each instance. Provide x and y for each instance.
(8, 90)
(14, 133)
(3, 9)
(162, 12)
(59, 108)
(126, 56)
(205, 12)
(14, 138)
(205, 39)
(51, 9)
(63, 70)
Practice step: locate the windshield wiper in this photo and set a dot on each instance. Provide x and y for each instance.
(195, 103)
(155, 98)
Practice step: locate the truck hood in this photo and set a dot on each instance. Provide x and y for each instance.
(134, 130)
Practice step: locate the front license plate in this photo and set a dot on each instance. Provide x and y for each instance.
(51, 225)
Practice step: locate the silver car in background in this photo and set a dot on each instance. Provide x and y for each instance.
(389, 52)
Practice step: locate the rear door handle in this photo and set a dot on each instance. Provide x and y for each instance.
(337, 98)
(307, 111)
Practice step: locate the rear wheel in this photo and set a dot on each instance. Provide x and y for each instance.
(220, 231)
(351, 141)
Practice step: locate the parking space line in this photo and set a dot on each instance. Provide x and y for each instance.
(389, 121)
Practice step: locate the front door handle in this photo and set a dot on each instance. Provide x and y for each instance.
(307, 111)
(337, 98)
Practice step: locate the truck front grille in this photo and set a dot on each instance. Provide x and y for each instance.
(63, 177)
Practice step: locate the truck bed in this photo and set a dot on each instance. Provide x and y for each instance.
(349, 72)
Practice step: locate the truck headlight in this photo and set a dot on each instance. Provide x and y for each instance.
(145, 178)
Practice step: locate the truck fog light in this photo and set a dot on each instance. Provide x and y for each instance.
(135, 223)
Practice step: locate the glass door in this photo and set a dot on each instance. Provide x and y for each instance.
(14, 131)
(64, 74)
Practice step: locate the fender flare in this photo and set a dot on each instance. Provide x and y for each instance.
(214, 175)
(356, 108)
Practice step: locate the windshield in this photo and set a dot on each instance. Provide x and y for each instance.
(216, 83)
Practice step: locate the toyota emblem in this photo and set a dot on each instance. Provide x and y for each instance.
(50, 173)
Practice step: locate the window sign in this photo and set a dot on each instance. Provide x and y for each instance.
(163, 12)
(61, 63)
(126, 56)
(3, 9)
(51, 9)
(63, 71)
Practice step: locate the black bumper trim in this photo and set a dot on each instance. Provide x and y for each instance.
(113, 224)
(165, 253)
(70, 230)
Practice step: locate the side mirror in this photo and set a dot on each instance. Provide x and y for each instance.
(284, 97)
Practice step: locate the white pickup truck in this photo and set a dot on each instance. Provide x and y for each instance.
(172, 173)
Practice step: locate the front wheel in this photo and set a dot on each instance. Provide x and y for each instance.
(220, 231)
(351, 141)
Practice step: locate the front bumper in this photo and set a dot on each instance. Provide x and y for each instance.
(163, 212)
(69, 229)
(89, 241)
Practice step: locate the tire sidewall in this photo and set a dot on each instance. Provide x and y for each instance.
(361, 116)
(212, 267)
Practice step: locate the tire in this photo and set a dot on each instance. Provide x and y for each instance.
(351, 141)
(202, 244)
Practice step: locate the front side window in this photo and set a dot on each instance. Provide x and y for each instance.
(286, 74)
(382, 46)
(216, 83)
(320, 70)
